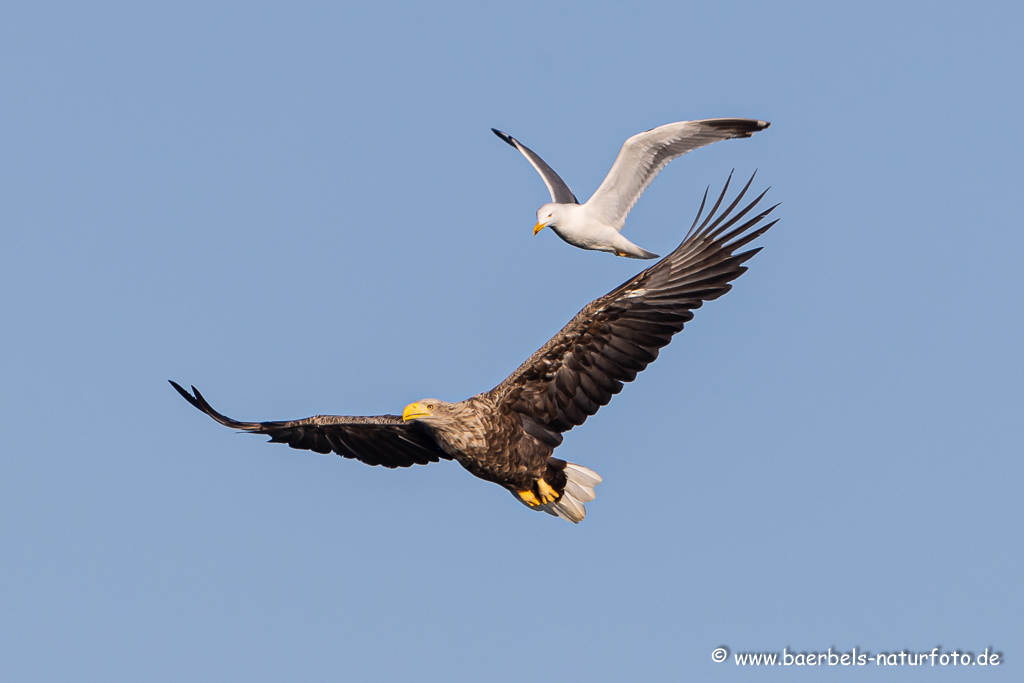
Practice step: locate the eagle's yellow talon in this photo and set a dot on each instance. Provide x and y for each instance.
(547, 494)
(528, 497)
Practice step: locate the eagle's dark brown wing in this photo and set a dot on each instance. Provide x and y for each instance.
(618, 335)
(378, 440)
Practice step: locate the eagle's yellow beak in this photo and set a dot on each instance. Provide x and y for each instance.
(537, 228)
(414, 411)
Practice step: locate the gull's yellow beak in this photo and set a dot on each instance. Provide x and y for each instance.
(413, 411)
(537, 228)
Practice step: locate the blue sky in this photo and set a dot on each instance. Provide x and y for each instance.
(300, 209)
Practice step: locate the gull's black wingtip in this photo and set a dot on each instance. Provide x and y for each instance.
(504, 136)
(752, 126)
(739, 128)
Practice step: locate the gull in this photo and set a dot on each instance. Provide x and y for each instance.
(597, 223)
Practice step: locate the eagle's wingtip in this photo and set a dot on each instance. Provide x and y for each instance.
(181, 390)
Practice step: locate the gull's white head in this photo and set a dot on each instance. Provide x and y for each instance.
(548, 214)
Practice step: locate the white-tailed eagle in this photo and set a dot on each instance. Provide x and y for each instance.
(507, 435)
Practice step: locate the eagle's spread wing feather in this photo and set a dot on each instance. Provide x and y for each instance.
(378, 440)
(615, 337)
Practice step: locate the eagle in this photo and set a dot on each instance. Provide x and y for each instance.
(507, 435)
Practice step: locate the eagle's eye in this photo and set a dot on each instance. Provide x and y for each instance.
(430, 406)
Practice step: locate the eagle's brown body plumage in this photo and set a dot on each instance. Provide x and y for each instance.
(492, 444)
(507, 435)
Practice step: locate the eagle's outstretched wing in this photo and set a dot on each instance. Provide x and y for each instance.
(615, 337)
(376, 440)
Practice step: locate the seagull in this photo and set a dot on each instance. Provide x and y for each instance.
(507, 435)
(597, 223)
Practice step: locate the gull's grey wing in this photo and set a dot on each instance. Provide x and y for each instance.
(560, 192)
(618, 335)
(375, 440)
(644, 155)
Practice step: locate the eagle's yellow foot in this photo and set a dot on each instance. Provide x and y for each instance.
(528, 497)
(547, 494)
(540, 494)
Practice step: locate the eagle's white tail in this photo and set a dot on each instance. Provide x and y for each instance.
(579, 489)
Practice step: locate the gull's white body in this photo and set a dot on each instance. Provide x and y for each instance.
(578, 226)
(596, 224)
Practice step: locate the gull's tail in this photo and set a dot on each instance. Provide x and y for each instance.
(642, 254)
(624, 247)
